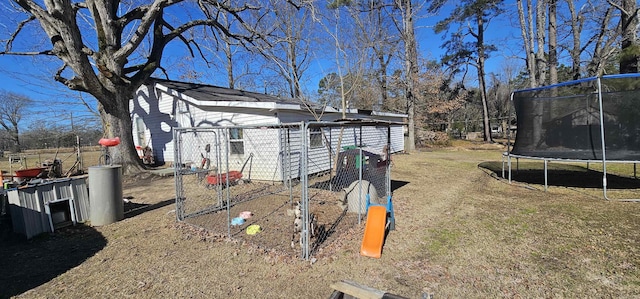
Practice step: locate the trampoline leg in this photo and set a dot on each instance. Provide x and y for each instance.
(509, 165)
(545, 175)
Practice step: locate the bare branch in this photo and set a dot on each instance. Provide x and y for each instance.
(151, 14)
(132, 69)
(164, 71)
(619, 7)
(34, 53)
(18, 29)
(135, 14)
(227, 8)
(73, 84)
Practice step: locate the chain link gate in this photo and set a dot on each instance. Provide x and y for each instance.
(303, 184)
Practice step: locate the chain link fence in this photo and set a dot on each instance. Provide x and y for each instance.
(288, 188)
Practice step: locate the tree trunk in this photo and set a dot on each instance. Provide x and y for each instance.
(116, 122)
(229, 64)
(576, 26)
(483, 86)
(540, 37)
(382, 80)
(553, 43)
(630, 54)
(411, 68)
(15, 137)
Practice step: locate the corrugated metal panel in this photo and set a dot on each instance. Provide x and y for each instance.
(81, 199)
(29, 206)
(27, 212)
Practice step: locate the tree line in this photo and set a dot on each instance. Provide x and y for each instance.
(24, 125)
(367, 52)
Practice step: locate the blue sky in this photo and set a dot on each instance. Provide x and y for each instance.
(55, 103)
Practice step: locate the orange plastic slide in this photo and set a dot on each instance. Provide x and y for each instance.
(374, 232)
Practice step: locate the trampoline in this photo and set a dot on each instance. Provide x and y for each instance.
(589, 120)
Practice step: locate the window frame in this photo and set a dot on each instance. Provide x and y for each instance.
(236, 141)
(315, 138)
(141, 131)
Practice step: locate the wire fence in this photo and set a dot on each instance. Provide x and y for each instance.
(288, 188)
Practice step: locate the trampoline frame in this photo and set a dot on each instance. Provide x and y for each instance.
(508, 155)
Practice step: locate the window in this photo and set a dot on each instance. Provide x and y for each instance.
(140, 130)
(236, 142)
(315, 138)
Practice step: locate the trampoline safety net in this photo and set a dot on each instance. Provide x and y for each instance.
(565, 120)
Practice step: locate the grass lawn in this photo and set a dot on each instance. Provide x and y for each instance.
(461, 232)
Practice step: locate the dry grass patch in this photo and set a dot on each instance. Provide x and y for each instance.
(461, 232)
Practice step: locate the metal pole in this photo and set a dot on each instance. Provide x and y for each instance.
(604, 155)
(509, 163)
(388, 170)
(360, 183)
(218, 166)
(304, 201)
(288, 165)
(545, 175)
(177, 172)
(227, 192)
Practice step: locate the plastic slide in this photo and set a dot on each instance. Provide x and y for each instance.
(374, 232)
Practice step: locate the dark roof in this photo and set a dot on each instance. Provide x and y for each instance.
(204, 92)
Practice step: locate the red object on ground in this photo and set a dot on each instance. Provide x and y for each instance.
(29, 172)
(109, 141)
(222, 178)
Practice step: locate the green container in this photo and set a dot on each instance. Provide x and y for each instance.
(358, 161)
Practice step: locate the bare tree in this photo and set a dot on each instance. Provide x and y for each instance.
(288, 43)
(500, 88)
(375, 22)
(526, 30)
(101, 47)
(13, 106)
(348, 56)
(605, 35)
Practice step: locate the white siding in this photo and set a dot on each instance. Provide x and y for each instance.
(397, 139)
(264, 146)
(373, 138)
(157, 113)
(162, 112)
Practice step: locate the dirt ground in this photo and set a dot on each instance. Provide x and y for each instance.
(272, 207)
(461, 232)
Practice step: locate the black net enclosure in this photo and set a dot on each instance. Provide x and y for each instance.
(576, 120)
